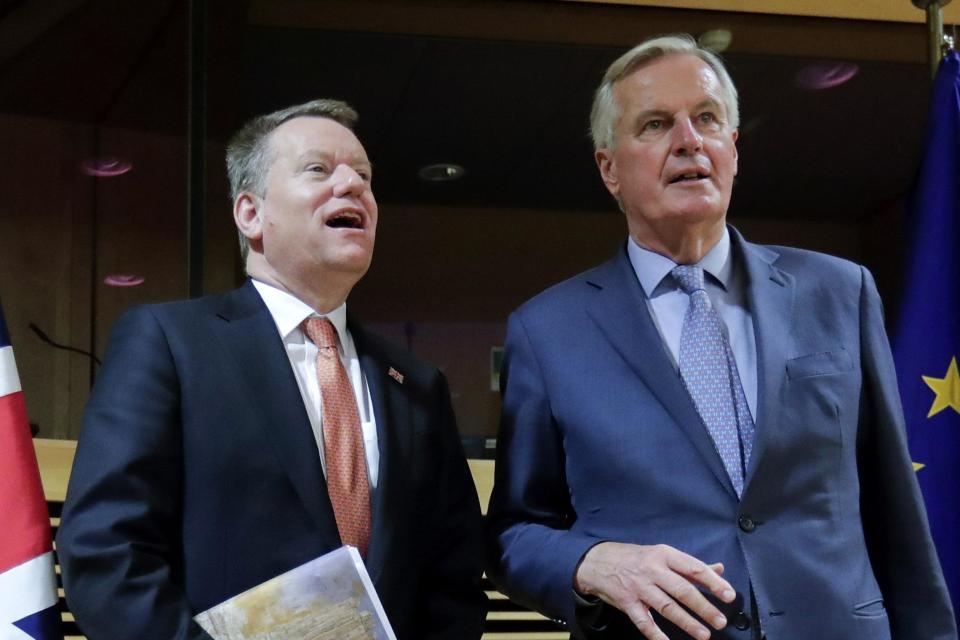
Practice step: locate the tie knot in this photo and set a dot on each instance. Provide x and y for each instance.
(320, 331)
(689, 277)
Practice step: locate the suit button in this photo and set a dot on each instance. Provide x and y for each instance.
(742, 621)
(746, 524)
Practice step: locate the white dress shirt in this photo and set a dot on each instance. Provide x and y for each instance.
(726, 288)
(289, 313)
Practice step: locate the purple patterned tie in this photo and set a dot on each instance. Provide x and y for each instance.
(709, 372)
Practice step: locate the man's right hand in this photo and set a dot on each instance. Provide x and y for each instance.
(637, 578)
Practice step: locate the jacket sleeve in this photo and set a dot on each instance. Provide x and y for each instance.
(118, 541)
(453, 605)
(531, 553)
(894, 519)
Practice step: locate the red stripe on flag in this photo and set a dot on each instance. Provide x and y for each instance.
(25, 532)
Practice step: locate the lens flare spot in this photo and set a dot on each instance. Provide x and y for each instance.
(716, 40)
(123, 280)
(105, 167)
(826, 75)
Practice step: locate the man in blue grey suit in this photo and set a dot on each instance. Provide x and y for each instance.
(702, 437)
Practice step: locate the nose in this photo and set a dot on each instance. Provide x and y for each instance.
(346, 181)
(686, 139)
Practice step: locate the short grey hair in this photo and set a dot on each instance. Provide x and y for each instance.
(605, 112)
(249, 154)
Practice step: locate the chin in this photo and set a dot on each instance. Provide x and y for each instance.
(353, 264)
(699, 215)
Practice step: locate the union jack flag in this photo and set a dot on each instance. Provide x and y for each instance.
(28, 586)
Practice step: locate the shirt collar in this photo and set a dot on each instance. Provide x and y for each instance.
(651, 267)
(289, 312)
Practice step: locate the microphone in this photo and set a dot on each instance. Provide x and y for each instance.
(45, 338)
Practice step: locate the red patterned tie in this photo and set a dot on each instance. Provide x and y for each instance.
(342, 439)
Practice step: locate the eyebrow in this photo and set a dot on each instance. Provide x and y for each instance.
(711, 102)
(663, 113)
(643, 116)
(315, 154)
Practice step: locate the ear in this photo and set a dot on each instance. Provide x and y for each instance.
(247, 215)
(736, 153)
(608, 170)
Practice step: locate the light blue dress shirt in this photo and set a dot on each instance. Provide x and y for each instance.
(726, 286)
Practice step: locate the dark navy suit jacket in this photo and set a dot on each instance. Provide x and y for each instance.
(197, 477)
(600, 441)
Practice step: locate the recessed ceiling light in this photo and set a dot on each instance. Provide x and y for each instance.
(105, 167)
(441, 172)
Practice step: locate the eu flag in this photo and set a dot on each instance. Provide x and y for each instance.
(927, 342)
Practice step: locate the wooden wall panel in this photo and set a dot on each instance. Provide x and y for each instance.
(885, 10)
(605, 23)
(141, 224)
(44, 262)
(52, 264)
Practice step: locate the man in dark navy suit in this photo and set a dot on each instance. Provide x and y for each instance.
(702, 437)
(231, 438)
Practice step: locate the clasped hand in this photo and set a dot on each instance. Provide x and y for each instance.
(637, 578)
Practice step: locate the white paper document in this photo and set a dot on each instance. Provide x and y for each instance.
(329, 598)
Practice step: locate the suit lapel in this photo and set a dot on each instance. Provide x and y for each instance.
(620, 310)
(394, 442)
(770, 296)
(249, 335)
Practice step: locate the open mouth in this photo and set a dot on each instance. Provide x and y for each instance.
(691, 176)
(346, 220)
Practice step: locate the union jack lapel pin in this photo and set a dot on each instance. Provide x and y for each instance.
(396, 375)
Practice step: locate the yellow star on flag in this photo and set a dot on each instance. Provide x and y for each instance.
(947, 389)
(917, 466)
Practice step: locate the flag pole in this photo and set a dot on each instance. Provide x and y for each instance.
(937, 43)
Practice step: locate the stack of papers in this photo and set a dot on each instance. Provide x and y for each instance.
(329, 598)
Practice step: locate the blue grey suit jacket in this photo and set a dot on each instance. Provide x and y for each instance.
(197, 477)
(600, 441)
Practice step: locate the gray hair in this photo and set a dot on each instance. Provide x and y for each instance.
(249, 154)
(605, 112)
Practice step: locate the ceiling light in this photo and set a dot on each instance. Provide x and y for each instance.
(441, 172)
